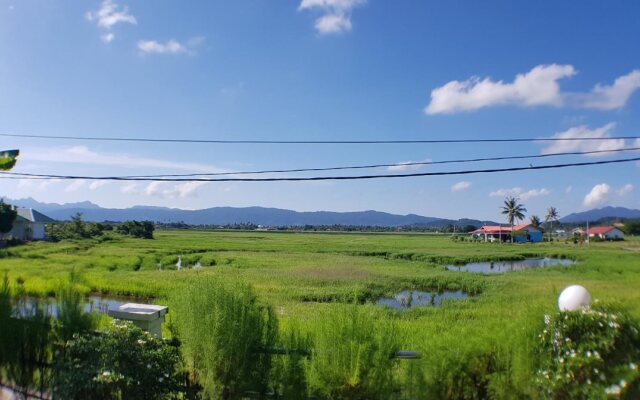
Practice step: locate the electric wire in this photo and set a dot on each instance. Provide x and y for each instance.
(252, 141)
(323, 178)
(404, 164)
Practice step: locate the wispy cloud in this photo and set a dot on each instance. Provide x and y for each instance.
(584, 132)
(626, 189)
(163, 190)
(169, 47)
(336, 17)
(83, 155)
(460, 186)
(109, 15)
(520, 193)
(408, 166)
(538, 87)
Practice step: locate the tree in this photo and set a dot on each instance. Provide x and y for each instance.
(632, 227)
(7, 217)
(535, 221)
(514, 212)
(552, 215)
(8, 159)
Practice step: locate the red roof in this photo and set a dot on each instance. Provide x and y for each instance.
(600, 230)
(500, 229)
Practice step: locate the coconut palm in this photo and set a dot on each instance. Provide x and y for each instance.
(552, 215)
(535, 221)
(514, 212)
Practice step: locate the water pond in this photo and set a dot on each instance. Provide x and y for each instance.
(496, 267)
(94, 303)
(414, 298)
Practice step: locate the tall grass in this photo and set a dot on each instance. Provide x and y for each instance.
(225, 335)
(353, 355)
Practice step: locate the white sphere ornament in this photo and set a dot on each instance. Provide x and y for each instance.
(574, 298)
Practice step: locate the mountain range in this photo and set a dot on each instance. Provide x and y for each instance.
(232, 215)
(602, 213)
(279, 217)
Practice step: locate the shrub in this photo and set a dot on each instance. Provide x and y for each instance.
(226, 336)
(122, 363)
(590, 354)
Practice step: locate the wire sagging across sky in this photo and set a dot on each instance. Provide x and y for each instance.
(14, 175)
(225, 141)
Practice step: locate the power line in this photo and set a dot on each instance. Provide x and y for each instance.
(13, 175)
(469, 160)
(224, 141)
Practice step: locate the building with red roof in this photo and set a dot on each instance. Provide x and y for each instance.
(521, 233)
(606, 232)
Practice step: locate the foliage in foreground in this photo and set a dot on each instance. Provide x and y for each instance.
(353, 356)
(225, 335)
(590, 354)
(123, 362)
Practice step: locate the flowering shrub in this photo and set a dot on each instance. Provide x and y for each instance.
(590, 354)
(122, 363)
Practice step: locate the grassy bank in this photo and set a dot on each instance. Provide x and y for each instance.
(485, 341)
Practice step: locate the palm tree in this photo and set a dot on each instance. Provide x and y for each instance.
(552, 215)
(514, 211)
(535, 221)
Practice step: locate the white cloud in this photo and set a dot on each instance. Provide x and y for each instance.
(83, 155)
(464, 185)
(407, 166)
(611, 97)
(108, 16)
(164, 190)
(520, 193)
(568, 189)
(626, 189)
(336, 16)
(170, 47)
(97, 184)
(154, 47)
(538, 87)
(579, 132)
(75, 185)
(107, 37)
(598, 195)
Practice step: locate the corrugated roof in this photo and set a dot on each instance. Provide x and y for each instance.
(34, 216)
(600, 230)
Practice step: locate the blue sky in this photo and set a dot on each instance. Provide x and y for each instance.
(320, 70)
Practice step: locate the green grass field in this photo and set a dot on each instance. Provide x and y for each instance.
(306, 277)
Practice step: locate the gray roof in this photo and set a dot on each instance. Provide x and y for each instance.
(34, 216)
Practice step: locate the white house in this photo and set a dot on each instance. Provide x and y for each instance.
(29, 224)
(606, 232)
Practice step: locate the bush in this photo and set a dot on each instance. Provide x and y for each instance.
(226, 336)
(590, 354)
(137, 229)
(122, 363)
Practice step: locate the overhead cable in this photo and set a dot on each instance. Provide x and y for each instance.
(319, 178)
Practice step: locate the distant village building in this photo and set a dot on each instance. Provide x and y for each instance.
(606, 233)
(29, 224)
(521, 233)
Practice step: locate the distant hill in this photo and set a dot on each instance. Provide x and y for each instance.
(232, 215)
(601, 213)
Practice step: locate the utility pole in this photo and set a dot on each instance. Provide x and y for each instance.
(587, 232)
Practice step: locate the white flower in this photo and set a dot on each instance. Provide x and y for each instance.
(632, 365)
(613, 389)
(106, 373)
(141, 342)
(148, 366)
(547, 319)
(160, 379)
